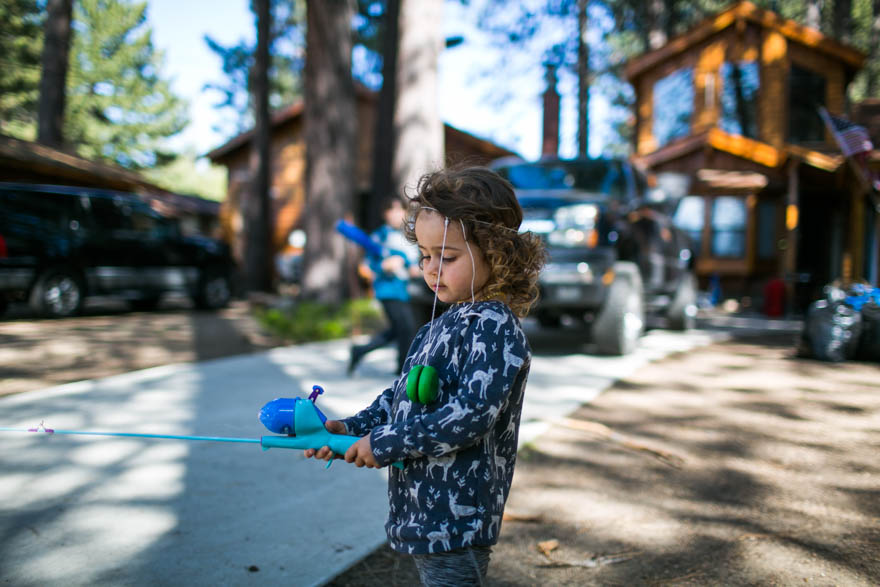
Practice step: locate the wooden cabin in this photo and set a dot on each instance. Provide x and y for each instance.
(288, 166)
(733, 105)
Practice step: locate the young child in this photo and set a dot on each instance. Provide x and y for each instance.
(390, 278)
(458, 450)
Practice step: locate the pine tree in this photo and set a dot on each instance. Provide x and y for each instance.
(21, 45)
(285, 67)
(119, 107)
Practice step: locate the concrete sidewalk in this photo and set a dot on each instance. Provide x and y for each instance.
(111, 511)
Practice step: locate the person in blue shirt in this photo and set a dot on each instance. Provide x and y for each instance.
(456, 434)
(390, 276)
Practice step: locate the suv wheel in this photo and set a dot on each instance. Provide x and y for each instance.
(619, 324)
(215, 291)
(682, 312)
(58, 293)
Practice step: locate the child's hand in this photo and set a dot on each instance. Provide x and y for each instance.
(324, 453)
(361, 454)
(393, 264)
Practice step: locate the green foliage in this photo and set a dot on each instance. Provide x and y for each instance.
(119, 108)
(312, 321)
(188, 174)
(21, 46)
(861, 39)
(287, 58)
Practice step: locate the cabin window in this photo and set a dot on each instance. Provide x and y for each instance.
(739, 98)
(806, 93)
(728, 227)
(673, 106)
(690, 217)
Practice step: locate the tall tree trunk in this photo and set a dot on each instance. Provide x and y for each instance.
(874, 51)
(583, 67)
(813, 16)
(330, 132)
(56, 48)
(257, 213)
(419, 130)
(842, 20)
(383, 134)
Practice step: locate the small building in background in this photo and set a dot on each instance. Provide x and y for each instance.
(733, 105)
(29, 162)
(289, 161)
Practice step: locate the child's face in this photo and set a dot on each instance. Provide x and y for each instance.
(455, 280)
(395, 215)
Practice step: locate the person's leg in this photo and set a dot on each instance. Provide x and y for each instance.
(403, 325)
(465, 566)
(378, 340)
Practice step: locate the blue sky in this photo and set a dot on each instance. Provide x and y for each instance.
(179, 27)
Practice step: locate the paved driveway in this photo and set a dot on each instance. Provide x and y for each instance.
(111, 511)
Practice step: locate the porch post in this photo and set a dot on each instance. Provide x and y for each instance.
(792, 211)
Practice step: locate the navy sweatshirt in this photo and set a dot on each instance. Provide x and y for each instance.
(459, 452)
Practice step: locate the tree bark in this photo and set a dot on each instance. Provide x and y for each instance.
(583, 66)
(873, 87)
(383, 134)
(258, 217)
(330, 132)
(417, 124)
(56, 49)
(842, 20)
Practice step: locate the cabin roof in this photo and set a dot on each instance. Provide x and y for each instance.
(746, 12)
(742, 147)
(292, 112)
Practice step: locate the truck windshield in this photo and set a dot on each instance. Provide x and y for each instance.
(589, 175)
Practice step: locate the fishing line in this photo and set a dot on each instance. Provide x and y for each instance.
(51, 431)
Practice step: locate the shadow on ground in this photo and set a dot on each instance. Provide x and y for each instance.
(735, 464)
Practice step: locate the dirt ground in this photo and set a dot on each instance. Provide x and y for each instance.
(109, 339)
(735, 464)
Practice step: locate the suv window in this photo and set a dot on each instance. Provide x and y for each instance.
(105, 213)
(45, 212)
(601, 176)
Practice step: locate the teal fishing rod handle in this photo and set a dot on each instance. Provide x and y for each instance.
(338, 443)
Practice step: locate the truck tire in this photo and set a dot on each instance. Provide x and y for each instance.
(621, 320)
(57, 293)
(682, 311)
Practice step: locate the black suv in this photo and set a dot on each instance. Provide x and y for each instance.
(613, 255)
(59, 244)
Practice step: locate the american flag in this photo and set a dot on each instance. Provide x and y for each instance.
(852, 138)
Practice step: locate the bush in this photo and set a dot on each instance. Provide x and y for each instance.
(312, 321)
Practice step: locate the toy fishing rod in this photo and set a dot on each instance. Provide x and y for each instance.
(298, 423)
(358, 236)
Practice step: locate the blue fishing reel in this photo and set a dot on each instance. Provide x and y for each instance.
(279, 415)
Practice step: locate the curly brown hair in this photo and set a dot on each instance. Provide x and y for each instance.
(485, 202)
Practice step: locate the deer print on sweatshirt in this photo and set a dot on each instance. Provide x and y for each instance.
(459, 452)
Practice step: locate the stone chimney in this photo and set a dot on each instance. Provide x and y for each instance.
(550, 134)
